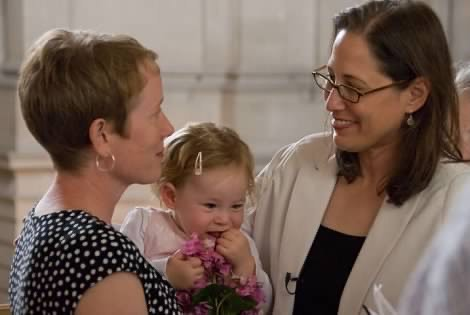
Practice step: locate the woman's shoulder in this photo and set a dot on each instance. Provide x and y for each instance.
(69, 253)
(88, 242)
(311, 145)
(96, 250)
(448, 189)
(86, 247)
(449, 172)
(314, 150)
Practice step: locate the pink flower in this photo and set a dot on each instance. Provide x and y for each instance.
(217, 275)
(225, 269)
(249, 286)
(201, 283)
(193, 246)
(184, 300)
(201, 309)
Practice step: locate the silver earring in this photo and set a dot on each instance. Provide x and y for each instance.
(103, 169)
(410, 120)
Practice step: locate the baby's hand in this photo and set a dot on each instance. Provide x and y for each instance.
(182, 272)
(234, 246)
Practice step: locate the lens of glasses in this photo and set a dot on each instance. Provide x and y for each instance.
(322, 82)
(348, 93)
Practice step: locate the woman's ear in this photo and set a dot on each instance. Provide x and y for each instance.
(418, 93)
(99, 133)
(168, 195)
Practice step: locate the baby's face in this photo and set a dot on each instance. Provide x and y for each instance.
(213, 202)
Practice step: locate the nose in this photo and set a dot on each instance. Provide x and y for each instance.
(333, 101)
(166, 126)
(222, 217)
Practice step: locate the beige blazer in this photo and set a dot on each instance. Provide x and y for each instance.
(293, 192)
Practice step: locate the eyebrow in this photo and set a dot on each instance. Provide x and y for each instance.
(349, 77)
(353, 78)
(217, 200)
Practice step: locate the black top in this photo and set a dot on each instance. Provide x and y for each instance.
(60, 255)
(325, 272)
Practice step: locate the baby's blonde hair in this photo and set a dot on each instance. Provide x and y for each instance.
(219, 146)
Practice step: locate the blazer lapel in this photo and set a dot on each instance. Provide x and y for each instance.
(310, 197)
(386, 230)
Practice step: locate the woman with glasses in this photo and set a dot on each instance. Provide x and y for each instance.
(340, 212)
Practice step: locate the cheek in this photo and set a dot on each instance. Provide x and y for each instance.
(385, 119)
(185, 213)
(237, 219)
(131, 148)
(143, 136)
(198, 219)
(384, 129)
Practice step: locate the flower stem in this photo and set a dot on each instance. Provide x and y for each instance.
(219, 304)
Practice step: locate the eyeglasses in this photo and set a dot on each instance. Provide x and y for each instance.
(347, 93)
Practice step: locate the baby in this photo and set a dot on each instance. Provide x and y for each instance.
(207, 175)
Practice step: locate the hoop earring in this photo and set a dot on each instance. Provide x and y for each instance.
(102, 169)
(410, 120)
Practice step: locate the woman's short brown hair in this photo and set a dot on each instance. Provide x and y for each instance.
(69, 79)
(219, 146)
(408, 41)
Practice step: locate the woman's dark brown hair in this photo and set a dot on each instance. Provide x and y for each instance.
(408, 41)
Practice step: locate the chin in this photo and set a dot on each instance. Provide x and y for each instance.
(343, 144)
(349, 147)
(149, 178)
(348, 144)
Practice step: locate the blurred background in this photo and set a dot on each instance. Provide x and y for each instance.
(242, 63)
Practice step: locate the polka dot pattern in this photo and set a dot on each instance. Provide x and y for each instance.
(60, 255)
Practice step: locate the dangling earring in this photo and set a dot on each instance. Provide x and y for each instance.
(198, 164)
(103, 169)
(410, 120)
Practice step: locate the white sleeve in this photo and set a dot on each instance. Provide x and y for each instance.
(160, 265)
(134, 226)
(261, 275)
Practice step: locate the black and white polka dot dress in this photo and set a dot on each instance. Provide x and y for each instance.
(60, 255)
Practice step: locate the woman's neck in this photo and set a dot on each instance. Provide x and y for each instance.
(91, 191)
(378, 163)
